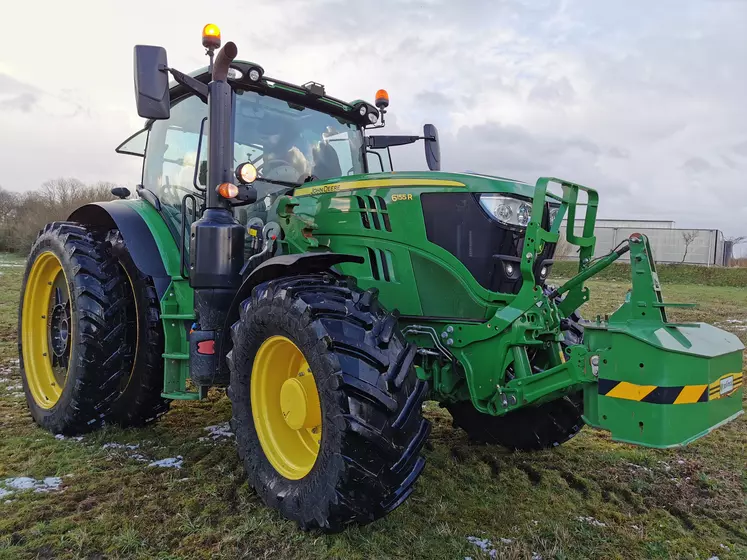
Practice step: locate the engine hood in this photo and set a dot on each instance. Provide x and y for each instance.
(437, 180)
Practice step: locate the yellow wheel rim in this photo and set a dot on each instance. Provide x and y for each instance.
(46, 330)
(285, 407)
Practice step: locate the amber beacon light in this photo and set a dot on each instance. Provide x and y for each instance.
(211, 36)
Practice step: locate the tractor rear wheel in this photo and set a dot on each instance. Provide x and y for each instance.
(531, 428)
(326, 403)
(140, 401)
(73, 347)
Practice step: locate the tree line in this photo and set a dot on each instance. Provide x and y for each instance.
(23, 214)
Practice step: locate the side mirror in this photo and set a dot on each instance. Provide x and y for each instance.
(152, 82)
(432, 148)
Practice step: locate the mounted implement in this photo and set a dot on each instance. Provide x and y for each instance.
(272, 250)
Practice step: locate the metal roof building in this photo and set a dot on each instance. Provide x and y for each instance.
(669, 244)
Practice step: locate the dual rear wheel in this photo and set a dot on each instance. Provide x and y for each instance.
(89, 333)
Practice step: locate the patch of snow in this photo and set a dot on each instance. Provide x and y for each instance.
(9, 486)
(139, 457)
(506, 541)
(61, 437)
(536, 556)
(636, 527)
(483, 544)
(170, 462)
(724, 547)
(17, 395)
(591, 521)
(114, 445)
(680, 462)
(640, 467)
(4, 380)
(713, 558)
(14, 387)
(219, 431)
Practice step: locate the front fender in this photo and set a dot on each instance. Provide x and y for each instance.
(278, 267)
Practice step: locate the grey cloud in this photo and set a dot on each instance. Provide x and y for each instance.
(434, 99)
(553, 91)
(24, 102)
(16, 95)
(10, 85)
(741, 148)
(697, 165)
(496, 148)
(729, 162)
(618, 153)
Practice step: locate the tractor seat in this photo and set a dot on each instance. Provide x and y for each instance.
(326, 163)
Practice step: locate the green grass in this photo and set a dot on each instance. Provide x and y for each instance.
(687, 503)
(668, 273)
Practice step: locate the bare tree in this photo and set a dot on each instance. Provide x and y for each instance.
(689, 237)
(22, 215)
(729, 245)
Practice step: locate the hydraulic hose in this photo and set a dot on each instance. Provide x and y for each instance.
(593, 269)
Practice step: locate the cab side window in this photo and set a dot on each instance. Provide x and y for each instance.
(379, 160)
(171, 157)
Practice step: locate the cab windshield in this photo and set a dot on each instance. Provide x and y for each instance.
(291, 143)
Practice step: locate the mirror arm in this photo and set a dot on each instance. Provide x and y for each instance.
(200, 89)
(388, 141)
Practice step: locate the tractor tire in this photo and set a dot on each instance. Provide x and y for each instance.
(326, 403)
(72, 324)
(531, 428)
(140, 401)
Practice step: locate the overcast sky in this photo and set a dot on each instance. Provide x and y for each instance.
(644, 100)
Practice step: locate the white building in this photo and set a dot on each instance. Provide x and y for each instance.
(669, 244)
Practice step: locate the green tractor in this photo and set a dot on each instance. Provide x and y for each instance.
(272, 250)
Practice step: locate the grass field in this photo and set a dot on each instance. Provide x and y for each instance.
(591, 498)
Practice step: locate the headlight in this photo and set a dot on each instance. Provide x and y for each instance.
(507, 210)
(553, 214)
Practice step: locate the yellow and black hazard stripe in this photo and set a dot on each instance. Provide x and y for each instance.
(680, 394)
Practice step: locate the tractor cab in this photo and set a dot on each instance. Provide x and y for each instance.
(283, 136)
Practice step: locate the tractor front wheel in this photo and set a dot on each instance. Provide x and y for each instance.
(326, 403)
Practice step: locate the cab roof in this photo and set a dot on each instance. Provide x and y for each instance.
(310, 95)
